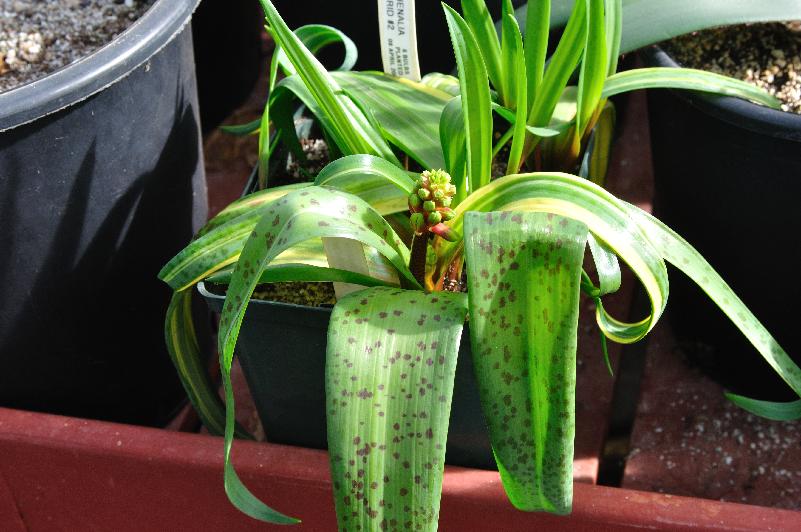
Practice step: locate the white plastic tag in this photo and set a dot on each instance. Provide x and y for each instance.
(398, 38)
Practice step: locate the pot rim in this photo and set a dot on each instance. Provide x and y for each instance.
(97, 71)
(735, 111)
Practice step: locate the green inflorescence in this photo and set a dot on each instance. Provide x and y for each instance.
(431, 201)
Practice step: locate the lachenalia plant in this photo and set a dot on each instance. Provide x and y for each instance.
(519, 241)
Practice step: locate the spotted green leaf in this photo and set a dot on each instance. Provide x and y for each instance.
(390, 365)
(524, 271)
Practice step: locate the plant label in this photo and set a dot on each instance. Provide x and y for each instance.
(396, 23)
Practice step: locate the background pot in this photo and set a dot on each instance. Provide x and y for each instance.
(281, 348)
(727, 179)
(102, 182)
(227, 37)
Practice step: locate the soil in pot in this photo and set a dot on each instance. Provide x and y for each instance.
(37, 38)
(765, 55)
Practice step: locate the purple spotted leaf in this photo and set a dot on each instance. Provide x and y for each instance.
(390, 366)
(524, 272)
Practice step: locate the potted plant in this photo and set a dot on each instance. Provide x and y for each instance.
(519, 238)
(94, 158)
(753, 171)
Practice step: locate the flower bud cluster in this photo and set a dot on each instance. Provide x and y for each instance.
(431, 201)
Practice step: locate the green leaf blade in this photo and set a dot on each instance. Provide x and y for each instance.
(686, 78)
(524, 276)
(388, 404)
(476, 100)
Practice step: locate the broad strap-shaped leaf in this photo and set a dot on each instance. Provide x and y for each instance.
(407, 111)
(613, 13)
(390, 365)
(311, 213)
(476, 100)
(381, 184)
(686, 78)
(443, 82)
(524, 272)
(609, 219)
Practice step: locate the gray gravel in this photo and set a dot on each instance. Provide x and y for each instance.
(38, 37)
(765, 55)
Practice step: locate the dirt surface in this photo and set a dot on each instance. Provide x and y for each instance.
(38, 37)
(689, 440)
(765, 55)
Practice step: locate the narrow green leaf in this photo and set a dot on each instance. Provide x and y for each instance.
(453, 140)
(181, 340)
(538, 13)
(476, 101)
(685, 78)
(593, 70)
(511, 117)
(479, 24)
(390, 365)
(524, 272)
(599, 147)
(242, 130)
(776, 411)
(561, 66)
(316, 37)
(515, 72)
(352, 128)
(613, 10)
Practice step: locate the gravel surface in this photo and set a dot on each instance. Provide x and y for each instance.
(38, 37)
(765, 55)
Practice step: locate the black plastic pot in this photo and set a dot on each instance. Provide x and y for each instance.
(282, 351)
(102, 182)
(728, 180)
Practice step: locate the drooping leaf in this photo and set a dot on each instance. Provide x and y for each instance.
(790, 411)
(302, 215)
(190, 364)
(316, 37)
(391, 361)
(524, 271)
(476, 101)
(685, 78)
(609, 220)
